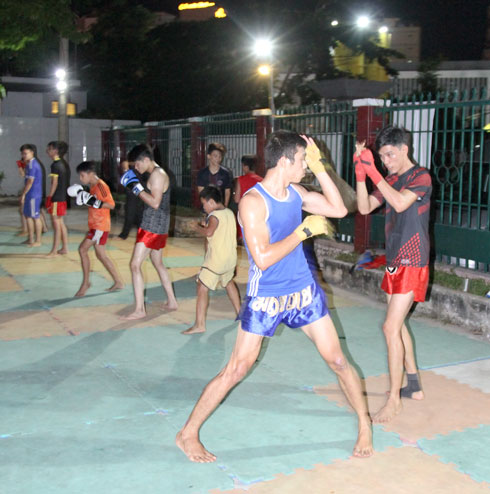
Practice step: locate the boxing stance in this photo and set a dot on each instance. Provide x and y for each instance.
(153, 231)
(281, 287)
(406, 191)
(99, 201)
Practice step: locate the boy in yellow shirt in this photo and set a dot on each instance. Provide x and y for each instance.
(220, 258)
(100, 202)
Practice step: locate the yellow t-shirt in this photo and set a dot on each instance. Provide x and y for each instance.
(100, 219)
(221, 255)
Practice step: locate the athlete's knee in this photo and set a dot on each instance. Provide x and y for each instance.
(235, 371)
(135, 266)
(338, 363)
(390, 330)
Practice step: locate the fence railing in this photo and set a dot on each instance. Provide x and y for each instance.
(449, 139)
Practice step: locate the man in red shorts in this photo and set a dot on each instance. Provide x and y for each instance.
(406, 191)
(152, 234)
(57, 198)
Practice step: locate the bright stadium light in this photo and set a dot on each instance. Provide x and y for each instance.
(363, 21)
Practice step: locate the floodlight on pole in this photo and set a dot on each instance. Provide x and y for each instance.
(263, 47)
(363, 21)
(383, 29)
(334, 23)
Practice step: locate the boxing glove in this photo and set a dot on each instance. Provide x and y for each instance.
(74, 189)
(86, 199)
(311, 226)
(131, 182)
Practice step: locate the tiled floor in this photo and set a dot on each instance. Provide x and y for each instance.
(90, 403)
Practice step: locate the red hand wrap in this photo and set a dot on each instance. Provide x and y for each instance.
(358, 168)
(367, 161)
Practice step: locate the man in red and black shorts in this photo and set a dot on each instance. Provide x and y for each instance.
(153, 232)
(57, 198)
(406, 191)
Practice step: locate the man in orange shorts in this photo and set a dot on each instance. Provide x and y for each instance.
(406, 191)
(152, 234)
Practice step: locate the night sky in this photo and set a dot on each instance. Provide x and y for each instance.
(451, 29)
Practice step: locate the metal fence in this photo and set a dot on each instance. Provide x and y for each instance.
(448, 138)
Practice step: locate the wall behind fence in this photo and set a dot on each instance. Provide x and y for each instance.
(85, 143)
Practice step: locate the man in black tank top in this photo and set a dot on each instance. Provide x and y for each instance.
(153, 232)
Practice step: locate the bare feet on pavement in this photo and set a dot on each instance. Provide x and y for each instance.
(194, 330)
(115, 287)
(170, 306)
(388, 412)
(134, 316)
(35, 244)
(364, 444)
(63, 251)
(82, 290)
(193, 449)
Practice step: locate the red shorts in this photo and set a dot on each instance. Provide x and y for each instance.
(155, 241)
(406, 279)
(98, 236)
(56, 208)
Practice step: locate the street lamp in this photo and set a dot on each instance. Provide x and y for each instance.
(62, 86)
(363, 21)
(263, 49)
(267, 70)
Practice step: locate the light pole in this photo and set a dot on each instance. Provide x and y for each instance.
(268, 70)
(62, 86)
(263, 49)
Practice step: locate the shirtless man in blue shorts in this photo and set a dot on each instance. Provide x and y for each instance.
(281, 288)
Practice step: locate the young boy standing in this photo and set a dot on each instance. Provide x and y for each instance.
(56, 201)
(32, 194)
(100, 202)
(221, 256)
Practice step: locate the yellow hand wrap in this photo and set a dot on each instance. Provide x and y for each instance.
(311, 226)
(313, 159)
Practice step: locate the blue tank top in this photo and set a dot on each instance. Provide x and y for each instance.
(291, 273)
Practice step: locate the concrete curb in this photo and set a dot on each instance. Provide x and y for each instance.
(469, 312)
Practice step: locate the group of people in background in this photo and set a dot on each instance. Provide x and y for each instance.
(281, 287)
(33, 199)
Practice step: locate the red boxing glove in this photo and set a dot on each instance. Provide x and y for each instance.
(372, 172)
(49, 202)
(358, 168)
(21, 164)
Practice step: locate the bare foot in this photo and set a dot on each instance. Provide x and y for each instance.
(26, 242)
(171, 306)
(51, 255)
(388, 412)
(193, 330)
(418, 395)
(137, 314)
(82, 290)
(21, 234)
(117, 286)
(194, 449)
(364, 444)
(63, 251)
(35, 244)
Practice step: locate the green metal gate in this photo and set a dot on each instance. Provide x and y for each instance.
(450, 140)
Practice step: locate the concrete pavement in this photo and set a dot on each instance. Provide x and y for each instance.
(91, 404)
